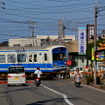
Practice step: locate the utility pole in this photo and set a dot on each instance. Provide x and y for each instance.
(33, 34)
(97, 10)
(87, 31)
(95, 46)
(61, 33)
(32, 30)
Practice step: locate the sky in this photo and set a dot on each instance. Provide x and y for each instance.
(20, 16)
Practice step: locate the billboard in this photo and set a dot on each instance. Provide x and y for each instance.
(82, 40)
(100, 55)
(93, 54)
(90, 31)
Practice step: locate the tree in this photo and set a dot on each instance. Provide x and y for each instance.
(5, 43)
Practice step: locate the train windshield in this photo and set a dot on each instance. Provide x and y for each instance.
(16, 70)
(59, 54)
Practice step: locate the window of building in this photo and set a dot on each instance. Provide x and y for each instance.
(67, 40)
(11, 58)
(28, 45)
(2, 58)
(21, 57)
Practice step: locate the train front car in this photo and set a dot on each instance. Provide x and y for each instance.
(59, 58)
(57, 55)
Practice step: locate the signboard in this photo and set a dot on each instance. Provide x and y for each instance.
(93, 56)
(69, 62)
(102, 46)
(100, 55)
(82, 40)
(90, 29)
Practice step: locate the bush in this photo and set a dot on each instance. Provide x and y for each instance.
(89, 79)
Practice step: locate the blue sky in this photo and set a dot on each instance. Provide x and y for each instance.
(16, 17)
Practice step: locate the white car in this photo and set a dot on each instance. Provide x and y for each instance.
(16, 76)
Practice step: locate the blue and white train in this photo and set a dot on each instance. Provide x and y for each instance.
(48, 58)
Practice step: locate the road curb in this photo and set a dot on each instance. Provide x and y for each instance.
(93, 88)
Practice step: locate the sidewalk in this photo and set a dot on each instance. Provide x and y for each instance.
(99, 86)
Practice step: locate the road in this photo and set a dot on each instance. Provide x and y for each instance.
(51, 92)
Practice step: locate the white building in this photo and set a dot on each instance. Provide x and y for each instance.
(39, 40)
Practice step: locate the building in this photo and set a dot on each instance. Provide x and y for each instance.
(39, 40)
(78, 60)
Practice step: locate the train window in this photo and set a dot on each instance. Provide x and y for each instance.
(45, 57)
(2, 58)
(59, 56)
(21, 57)
(11, 58)
(35, 57)
(30, 57)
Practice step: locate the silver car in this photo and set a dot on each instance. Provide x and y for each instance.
(16, 75)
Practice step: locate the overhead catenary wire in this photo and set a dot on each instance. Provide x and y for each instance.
(19, 12)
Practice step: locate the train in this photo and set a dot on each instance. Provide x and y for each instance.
(51, 59)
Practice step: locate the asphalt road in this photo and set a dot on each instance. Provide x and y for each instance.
(83, 95)
(51, 92)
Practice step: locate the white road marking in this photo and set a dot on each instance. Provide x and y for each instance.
(64, 96)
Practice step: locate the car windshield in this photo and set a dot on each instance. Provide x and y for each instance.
(16, 70)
